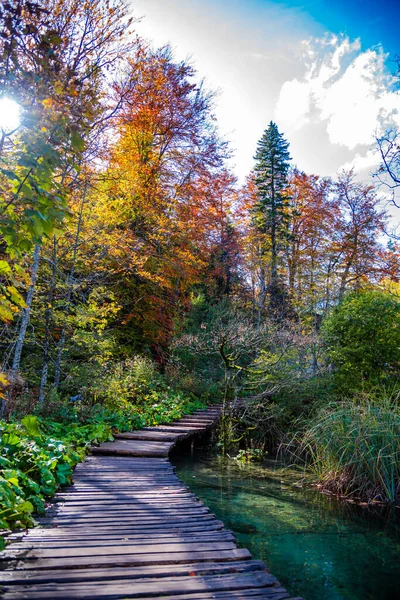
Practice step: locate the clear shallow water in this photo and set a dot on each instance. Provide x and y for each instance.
(318, 547)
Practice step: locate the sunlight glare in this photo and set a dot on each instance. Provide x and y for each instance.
(9, 114)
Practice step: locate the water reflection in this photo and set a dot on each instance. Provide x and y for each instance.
(317, 546)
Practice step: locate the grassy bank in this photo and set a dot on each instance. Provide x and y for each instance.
(353, 448)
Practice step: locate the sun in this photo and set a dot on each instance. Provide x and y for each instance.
(9, 114)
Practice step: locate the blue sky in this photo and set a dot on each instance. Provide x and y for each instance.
(320, 69)
(375, 22)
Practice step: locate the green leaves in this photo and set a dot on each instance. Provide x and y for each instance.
(362, 336)
(33, 463)
(31, 424)
(77, 142)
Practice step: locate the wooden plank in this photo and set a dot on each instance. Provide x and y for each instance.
(164, 514)
(129, 560)
(150, 588)
(134, 448)
(121, 532)
(132, 573)
(135, 519)
(209, 525)
(141, 492)
(147, 435)
(127, 499)
(66, 537)
(123, 510)
(247, 594)
(59, 543)
(170, 428)
(116, 550)
(162, 508)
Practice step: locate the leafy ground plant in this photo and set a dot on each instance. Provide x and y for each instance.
(35, 459)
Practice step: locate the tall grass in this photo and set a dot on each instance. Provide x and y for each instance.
(353, 447)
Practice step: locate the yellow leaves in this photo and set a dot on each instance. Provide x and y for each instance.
(6, 314)
(5, 268)
(15, 296)
(393, 287)
(3, 384)
(47, 102)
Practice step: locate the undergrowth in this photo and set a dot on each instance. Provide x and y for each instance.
(353, 448)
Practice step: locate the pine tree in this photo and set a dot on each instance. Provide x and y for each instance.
(271, 211)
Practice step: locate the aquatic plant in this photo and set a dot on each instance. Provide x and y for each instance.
(353, 447)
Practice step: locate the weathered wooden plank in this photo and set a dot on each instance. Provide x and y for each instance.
(163, 514)
(129, 560)
(134, 523)
(145, 500)
(123, 492)
(147, 435)
(50, 536)
(124, 510)
(150, 588)
(119, 448)
(146, 529)
(170, 428)
(59, 543)
(247, 594)
(132, 573)
(200, 423)
(124, 505)
(116, 550)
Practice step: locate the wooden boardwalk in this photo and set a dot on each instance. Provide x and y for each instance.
(129, 528)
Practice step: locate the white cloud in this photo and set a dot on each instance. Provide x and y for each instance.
(348, 90)
(294, 104)
(363, 162)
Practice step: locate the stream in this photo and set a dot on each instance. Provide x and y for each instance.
(318, 547)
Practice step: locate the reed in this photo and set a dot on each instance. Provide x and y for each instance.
(353, 447)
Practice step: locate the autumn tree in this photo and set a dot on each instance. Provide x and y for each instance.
(167, 156)
(310, 257)
(219, 238)
(362, 221)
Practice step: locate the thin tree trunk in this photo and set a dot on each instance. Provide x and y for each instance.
(25, 315)
(262, 295)
(48, 315)
(23, 327)
(61, 343)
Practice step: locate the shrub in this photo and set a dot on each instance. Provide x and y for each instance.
(362, 336)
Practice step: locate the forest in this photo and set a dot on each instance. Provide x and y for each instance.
(140, 280)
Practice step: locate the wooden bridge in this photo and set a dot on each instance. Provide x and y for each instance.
(129, 528)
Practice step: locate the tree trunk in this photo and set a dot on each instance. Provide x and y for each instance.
(19, 344)
(25, 315)
(48, 315)
(61, 343)
(262, 294)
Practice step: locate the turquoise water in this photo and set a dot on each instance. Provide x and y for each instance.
(317, 546)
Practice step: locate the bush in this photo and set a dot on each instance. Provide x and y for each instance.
(362, 336)
(353, 447)
(36, 457)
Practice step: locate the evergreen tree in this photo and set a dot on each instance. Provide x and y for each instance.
(271, 211)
